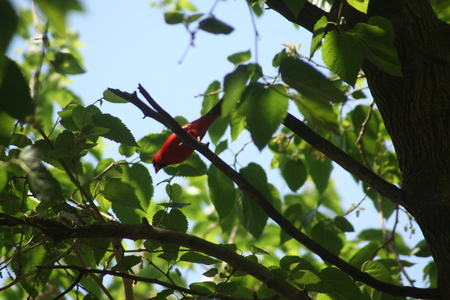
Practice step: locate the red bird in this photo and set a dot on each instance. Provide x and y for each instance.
(174, 151)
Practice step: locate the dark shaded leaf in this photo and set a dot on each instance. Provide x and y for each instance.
(66, 63)
(196, 257)
(213, 25)
(15, 97)
(309, 82)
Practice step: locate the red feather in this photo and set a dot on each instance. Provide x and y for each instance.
(174, 151)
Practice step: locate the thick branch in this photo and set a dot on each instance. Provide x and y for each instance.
(59, 232)
(347, 162)
(290, 229)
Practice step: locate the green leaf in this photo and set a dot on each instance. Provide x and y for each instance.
(211, 272)
(198, 258)
(215, 26)
(264, 110)
(150, 144)
(343, 224)
(221, 192)
(278, 58)
(256, 250)
(118, 131)
(377, 46)
(219, 127)
(360, 5)
(15, 97)
(421, 249)
(161, 295)
(42, 184)
(305, 277)
(193, 166)
(3, 177)
(295, 6)
(240, 57)
(364, 254)
(320, 168)
(251, 215)
(294, 172)
(291, 213)
(338, 285)
(109, 96)
(377, 270)
(327, 235)
(237, 124)
(139, 178)
(173, 17)
(318, 111)
(233, 86)
(342, 55)
(66, 63)
(222, 146)
(8, 24)
(126, 263)
(174, 192)
(442, 10)
(121, 193)
(6, 127)
(174, 220)
(318, 34)
(56, 11)
(309, 82)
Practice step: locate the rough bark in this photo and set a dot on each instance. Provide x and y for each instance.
(416, 111)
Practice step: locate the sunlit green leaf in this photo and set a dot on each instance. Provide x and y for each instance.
(233, 86)
(318, 111)
(364, 254)
(118, 131)
(222, 192)
(377, 46)
(320, 168)
(239, 58)
(360, 5)
(326, 234)
(122, 194)
(318, 34)
(264, 110)
(340, 52)
(109, 96)
(294, 172)
(57, 11)
(251, 215)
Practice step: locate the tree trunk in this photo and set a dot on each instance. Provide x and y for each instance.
(416, 111)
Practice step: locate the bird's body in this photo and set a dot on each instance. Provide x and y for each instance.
(174, 151)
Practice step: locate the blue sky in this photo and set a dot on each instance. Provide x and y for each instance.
(127, 42)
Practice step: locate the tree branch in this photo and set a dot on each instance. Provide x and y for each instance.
(276, 216)
(144, 231)
(134, 278)
(347, 162)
